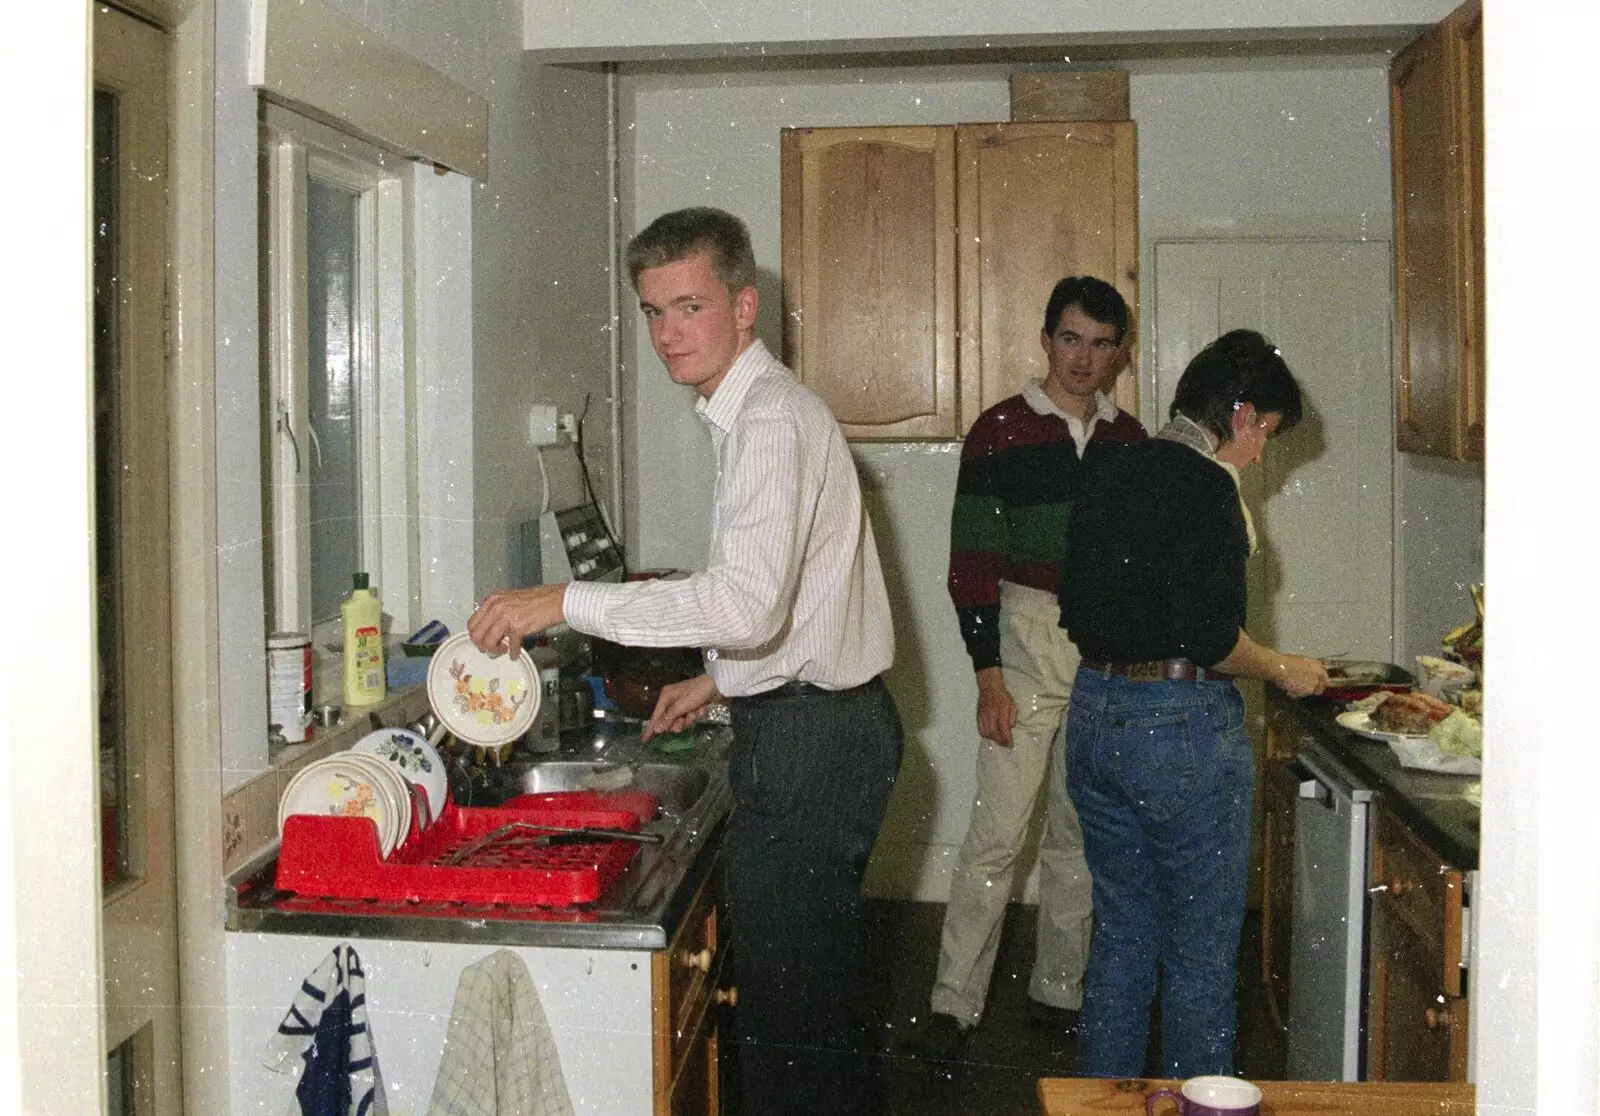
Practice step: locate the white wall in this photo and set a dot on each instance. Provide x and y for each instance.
(1224, 149)
(511, 288)
(541, 319)
(1439, 550)
(612, 28)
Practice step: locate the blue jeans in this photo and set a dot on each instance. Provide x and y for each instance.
(1162, 774)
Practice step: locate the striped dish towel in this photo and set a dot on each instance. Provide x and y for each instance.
(326, 1027)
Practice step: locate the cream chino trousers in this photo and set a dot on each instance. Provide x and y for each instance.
(1039, 663)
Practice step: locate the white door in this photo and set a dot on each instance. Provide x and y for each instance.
(1322, 583)
(133, 613)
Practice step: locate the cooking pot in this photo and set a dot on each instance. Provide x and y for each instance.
(635, 676)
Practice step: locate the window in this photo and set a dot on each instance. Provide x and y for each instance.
(336, 419)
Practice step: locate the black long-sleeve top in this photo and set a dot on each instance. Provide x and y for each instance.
(1155, 561)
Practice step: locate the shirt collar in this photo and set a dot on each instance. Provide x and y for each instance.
(1040, 401)
(723, 406)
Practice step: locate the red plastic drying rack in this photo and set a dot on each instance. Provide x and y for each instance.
(329, 856)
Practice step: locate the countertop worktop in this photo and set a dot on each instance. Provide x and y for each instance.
(1087, 1096)
(1443, 810)
(639, 911)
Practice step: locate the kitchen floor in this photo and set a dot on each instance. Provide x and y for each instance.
(1004, 1058)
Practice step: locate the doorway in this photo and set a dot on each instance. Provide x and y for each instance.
(1322, 581)
(132, 568)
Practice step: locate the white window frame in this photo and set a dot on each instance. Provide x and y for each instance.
(296, 150)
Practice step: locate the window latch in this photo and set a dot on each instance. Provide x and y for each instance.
(286, 428)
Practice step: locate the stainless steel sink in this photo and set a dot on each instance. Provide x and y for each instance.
(677, 787)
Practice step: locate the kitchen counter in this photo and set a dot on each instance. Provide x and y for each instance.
(641, 910)
(1443, 810)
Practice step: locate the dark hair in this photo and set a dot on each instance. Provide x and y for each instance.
(1095, 297)
(1241, 366)
(680, 234)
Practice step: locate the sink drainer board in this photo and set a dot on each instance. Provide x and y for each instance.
(337, 857)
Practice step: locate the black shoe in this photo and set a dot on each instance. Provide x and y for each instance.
(1050, 1019)
(939, 1038)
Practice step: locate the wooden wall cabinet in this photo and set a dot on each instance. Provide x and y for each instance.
(1416, 994)
(917, 261)
(686, 998)
(1436, 121)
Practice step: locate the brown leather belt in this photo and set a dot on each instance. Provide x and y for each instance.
(1156, 670)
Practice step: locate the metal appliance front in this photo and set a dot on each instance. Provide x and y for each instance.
(1326, 968)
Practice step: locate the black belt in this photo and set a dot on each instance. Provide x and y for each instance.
(797, 689)
(1156, 670)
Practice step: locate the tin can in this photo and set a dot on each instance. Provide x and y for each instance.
(289, 685)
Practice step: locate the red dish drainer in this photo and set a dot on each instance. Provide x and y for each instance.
(338, 857)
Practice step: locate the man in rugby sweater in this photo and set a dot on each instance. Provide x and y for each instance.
(1019, 466)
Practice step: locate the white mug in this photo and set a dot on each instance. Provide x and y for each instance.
(1210, 1096)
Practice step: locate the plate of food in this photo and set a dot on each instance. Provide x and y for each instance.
(1423, 732)
(1389, 716)
(1360, 722)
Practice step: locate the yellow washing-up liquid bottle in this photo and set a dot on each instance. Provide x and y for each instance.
(362, 614)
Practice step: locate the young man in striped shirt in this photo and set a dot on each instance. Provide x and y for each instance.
(1019, 466)
(792, 616)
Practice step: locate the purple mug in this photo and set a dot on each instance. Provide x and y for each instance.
(1210, 1096)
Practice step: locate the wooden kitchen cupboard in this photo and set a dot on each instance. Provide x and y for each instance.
(1416, 993)
(1436, 122)
(917, 261)
(1279, 793)
(686, 998)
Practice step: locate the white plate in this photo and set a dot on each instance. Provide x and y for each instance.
(396, 786)
(343, 785)
(1360, 723)
(414, 758)
(487, 700)
(1417, 752)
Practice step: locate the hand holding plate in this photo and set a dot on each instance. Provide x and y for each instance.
(504, 618)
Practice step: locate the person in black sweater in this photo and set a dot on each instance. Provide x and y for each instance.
(1153, 594)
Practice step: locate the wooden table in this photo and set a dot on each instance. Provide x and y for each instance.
(1087, 1096)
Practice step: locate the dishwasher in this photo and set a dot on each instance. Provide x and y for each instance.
(1327, 986)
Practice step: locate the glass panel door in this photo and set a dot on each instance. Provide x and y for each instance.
(131, 547)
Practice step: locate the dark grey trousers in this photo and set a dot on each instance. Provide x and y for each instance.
(811, 777)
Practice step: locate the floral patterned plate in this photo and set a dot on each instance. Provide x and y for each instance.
(414, 758)
(486, 700)
(346, 786)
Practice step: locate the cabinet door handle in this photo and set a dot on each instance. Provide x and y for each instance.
(1395, 887)
(691, 960)
(1435, 1018)
(729, 996)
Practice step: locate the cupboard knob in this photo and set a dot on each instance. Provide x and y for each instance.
(729, 996)
(1435, 1018)
(691, 960)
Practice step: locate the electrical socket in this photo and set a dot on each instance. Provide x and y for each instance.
(543, 425)
(569, 425)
